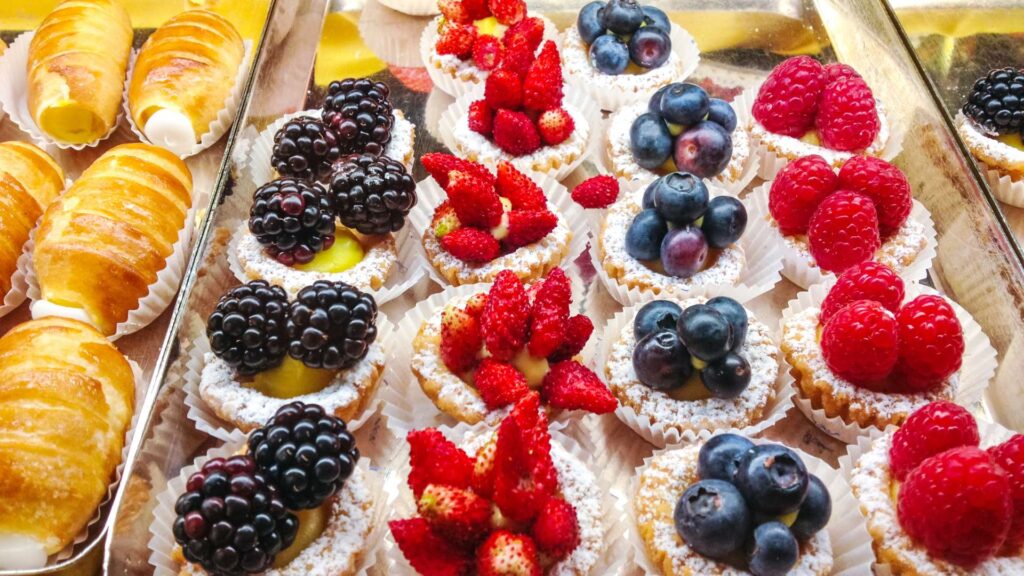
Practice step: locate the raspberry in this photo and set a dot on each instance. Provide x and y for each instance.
(505, 317)
(930, 430)
(503, 89)
(487, 52)
(471, 245)
(528, 226)
(555, 126)
(454, 11)
(429, 554)
(859, 343)
(885, 184)
(788, 98)
(440, 165)
(542, 87)
(515, 133)
(931, 342)
(596, 192)
(481, 117)
(549, 314)
(474, 200)
(572, 386)
(457, 40)
(835, 71)
(797, 190)
(847, 118)
(519, 188)
(457, 514)
(435, 460)
(1010, 457)
(556, 530)
(958, 505)
(843, 231)
(528, 33)
(460, 339)
(577, 331)
(507, 554)
(865, 281)
(499, 383)
(508, 12)
(525, 477)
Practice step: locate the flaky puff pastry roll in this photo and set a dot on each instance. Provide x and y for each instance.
(183, 74)
(76, 69)
(29, 181)
(66, 400)
(101, 244)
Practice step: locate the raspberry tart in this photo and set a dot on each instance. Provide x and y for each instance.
(942, 497)
(680, 369)
(486, 349)
(990, 124)
(507, 501)
(265, 351)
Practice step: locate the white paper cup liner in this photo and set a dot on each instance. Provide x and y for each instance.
(583, 105)
(665, 435)
(469, 78)
(393, 47)
(217, 128)
(851, 544)
(1004, 187)
(977, 369)
(798, 268)
(161, 542)
(14, 94)
(412, 7)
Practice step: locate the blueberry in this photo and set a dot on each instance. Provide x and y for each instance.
(774, 550)
(589, 22)
(773, 479)
(726, 377)
(724, 221)
(680, 198)
(650, 141)
(703, 149)
(720, 456)
(735, 314)
(654, 316)
(720, 112)
(648, 201)
(622, 16)
(684, 103)
(609, 54)
(645, 234)
(650, 47)
(713, 519)
(661, 361)
(654, 104)
(683, 252)
(814, 512)
(656, 17)
(705, 331)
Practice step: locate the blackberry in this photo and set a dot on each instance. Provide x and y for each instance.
(230, 521)
(306, 453)
(247, 328)
(360, 113)
(331, 325)
(372, 194)
(292, 219)
(996, 102)
(305, 148)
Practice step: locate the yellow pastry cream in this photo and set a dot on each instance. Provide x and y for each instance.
(345, 253)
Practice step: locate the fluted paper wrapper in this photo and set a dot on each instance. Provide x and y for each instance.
(412, 7)
(19, 280)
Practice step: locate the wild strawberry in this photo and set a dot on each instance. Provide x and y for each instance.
(435, 460)
(457, 40)
(788, 99)
(550, 314)
(487, 52)
(483, 469)
(597, 192)
(517, 58)
(930, 430)
(577, 331)
(507, 554)
(847, 119)
(885, 184)
(528, 32)
(471, 245)
(481, 118)
(843, 231)
(797, 190)
(542, 87)
(555, 126)
(460, 339)
(445, 220)
(474, 200)
(428, 553)
(835, 71)
(506, 316)
(556, 529)
(865, 281)
(440, 165)
(515, 133)
(958, 505)
(528, 226)
(508, 12)
(503, 89)
(499, 383)
(454, 11)
(477, 9)
(456, 513)
(525, 478)
(860, 342)
(931, 343)
(1010, 457)
(519, 188)
(475, 305)
(572, 386)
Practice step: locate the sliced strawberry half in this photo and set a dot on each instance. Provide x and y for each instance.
(429, 554)
(572, 386)
(525, 477)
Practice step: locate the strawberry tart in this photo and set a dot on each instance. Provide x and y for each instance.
(509, 501)
(491, 222)
(936, 502)
(990, 124)
(483, 352)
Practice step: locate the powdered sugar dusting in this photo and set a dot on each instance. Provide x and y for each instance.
(793, 148)
(576, 63)
(897, 252)
(403, 140)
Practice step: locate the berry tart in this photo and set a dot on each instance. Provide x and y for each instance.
(620, 51)
(483, 347)
(246, 509)
(265, 351)
(680, 128)
(684, 369)
(990, 124)
(867, 351)
(827, 222)
(936, 501)
(493, 221)
(730, 506)
(804, 108)
(507, 501)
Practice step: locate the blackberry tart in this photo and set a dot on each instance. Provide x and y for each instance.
(990, 124)
(265, 351)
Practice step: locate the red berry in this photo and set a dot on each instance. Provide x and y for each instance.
(542, 87)
(865, 281)
(528, 226)
(1010, 457)
(474, 199)
(481, 117)
(460, 339)
(596, 192)
(556, 529)
(930, 430)
(429, 554)
(958, 505)
(550, 314)
(847, 119)
(503, 89)
(454, 11)
(835, 71)
(506, 553)
(859, 343)
(471, 245)
(572, 386)
(508, 12)
(788, 98)
(931, 342)
(499, 384)
(885, 184)
(440, 165)
(435, 460)
(457, 40)
(528, 33)
(487, 52)
(577, 332)
(843, 231)
(458, 514)
(477, 9)
(517, 58)
(519, 188)
(555, 126)
(524, 477)
(506, 316)
(797, 190)
(515, 133)
(483, 470)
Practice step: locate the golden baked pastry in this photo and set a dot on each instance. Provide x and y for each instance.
(29, 181)
(76, 68)
(101, 245)
(187, 66)
(66, 400)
